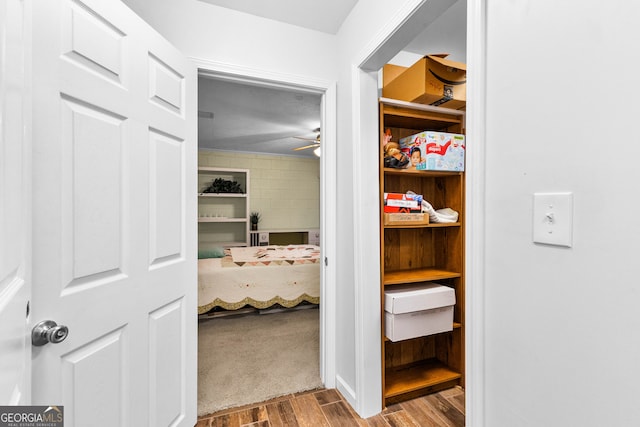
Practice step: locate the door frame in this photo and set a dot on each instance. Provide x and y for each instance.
(475, 208)
(389, 41)
(328, 226)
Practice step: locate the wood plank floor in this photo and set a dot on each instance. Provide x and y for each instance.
(327, 408)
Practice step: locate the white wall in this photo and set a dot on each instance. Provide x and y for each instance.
(216, 34)
(404, 59)
(446, 35)
(204, 31)
(561, 323)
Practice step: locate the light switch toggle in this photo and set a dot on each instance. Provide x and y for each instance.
(553, 218)
(550, 217)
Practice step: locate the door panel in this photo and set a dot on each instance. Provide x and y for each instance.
(92, 41)
(92, 191)
(166, 85)
(114, 232)
(94, 378)
(167, 171)
(166, 387)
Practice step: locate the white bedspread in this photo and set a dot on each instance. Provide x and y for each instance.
(275, 253)
(231, 284)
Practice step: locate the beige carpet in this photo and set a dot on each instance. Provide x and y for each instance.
(252, 358)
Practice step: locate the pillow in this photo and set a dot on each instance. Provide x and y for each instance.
(217, 252)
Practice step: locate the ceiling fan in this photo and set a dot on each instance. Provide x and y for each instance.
(315, 142)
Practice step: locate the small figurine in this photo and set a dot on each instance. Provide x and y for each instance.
(393, 157)
(387, 138)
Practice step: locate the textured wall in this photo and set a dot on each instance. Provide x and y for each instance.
(284, 189)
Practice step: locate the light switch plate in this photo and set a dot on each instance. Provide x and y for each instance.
(553, 218)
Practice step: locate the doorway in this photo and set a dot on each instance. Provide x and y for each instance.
(291, 142)
(367, 83)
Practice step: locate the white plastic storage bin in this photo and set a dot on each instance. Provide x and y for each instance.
(413, 311)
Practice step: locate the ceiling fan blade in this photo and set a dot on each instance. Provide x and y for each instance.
(306, 146)
(306, 139)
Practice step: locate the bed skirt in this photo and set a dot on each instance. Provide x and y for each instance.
(221, 284)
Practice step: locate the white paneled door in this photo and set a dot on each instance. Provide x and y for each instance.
(15, 348)
(114, 208)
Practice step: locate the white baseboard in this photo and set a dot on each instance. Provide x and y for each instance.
(346, 391)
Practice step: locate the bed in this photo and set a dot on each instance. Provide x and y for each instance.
(259, 277)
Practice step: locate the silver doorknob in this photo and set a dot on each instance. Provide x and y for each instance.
(48, 331)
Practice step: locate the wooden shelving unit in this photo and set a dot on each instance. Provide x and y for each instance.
(422, 253)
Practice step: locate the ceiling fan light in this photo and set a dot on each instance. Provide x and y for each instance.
(316, 151)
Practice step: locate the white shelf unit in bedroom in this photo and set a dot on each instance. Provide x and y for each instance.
(223, 218)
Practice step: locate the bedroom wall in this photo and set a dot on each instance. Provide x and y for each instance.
(284, 189)
(560, 341)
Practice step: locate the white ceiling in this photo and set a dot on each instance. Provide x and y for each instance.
(254, 118)
(324, 15)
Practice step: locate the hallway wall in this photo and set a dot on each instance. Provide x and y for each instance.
(217, 34)
(560, 339)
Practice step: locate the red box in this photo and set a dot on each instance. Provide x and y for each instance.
(402, 203)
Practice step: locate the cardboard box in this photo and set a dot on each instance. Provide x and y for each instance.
(405, 219)
(430, 150)
(402, 203)
(418, 310)
(390, 72)
(432, 80)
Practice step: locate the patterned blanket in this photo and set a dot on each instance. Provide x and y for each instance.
(272, 255)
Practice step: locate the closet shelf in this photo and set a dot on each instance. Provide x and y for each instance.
(432, 174)
(430, 225)
(418, 275)
(417, 377)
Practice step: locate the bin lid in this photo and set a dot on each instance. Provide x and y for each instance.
(418, 297)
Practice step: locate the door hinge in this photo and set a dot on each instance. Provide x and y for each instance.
(326, 261)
